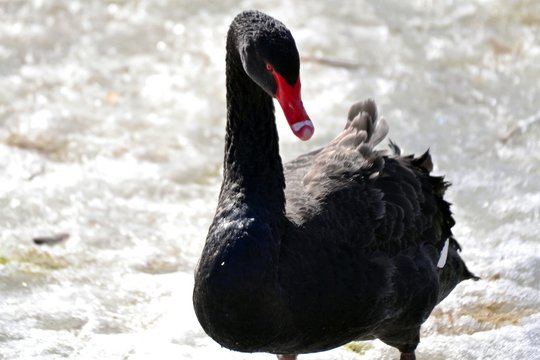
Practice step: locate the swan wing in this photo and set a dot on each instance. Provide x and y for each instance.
(392, 199)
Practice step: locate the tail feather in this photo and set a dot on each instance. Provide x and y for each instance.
(466, 272)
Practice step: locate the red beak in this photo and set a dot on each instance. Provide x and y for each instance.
(290, 100)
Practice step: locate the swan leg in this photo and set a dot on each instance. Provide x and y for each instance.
(287, 357)
(407, 356)
(404, 339)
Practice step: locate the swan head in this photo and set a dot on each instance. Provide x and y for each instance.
(270, 58)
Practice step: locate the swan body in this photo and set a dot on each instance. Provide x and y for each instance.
(343, 243)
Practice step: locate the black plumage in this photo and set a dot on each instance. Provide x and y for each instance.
(337, 245)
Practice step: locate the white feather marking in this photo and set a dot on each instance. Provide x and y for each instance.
(444, 254)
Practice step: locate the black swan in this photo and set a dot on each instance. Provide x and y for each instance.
(343, 243)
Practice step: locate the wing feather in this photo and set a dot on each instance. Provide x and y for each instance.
(391, 199)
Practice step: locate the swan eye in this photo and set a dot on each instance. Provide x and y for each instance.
(269, 67)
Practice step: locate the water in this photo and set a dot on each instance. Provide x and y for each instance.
(111, 130)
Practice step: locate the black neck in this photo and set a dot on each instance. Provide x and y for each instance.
(252, 163)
